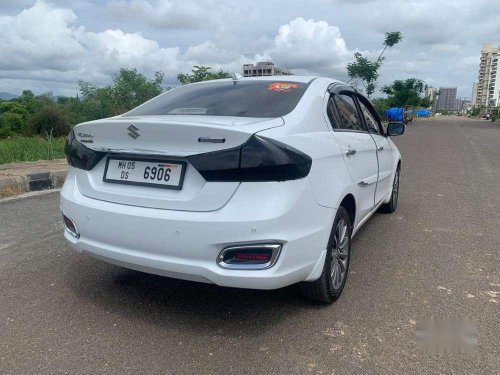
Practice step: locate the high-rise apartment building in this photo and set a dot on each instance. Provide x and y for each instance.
(264, 68)
(447, 99)
(488, 88)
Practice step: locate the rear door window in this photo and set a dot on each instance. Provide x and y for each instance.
(349, 118)
(370, 119)
(245, 98)
(332, 113)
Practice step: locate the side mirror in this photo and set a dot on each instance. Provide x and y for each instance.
(395, 128)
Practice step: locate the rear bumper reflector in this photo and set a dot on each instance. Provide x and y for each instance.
(249, 257)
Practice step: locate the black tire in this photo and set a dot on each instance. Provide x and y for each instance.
(328, 287)
(391, 207)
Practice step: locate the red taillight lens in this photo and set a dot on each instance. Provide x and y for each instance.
(259, 159)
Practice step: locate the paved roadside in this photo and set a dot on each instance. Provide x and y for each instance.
(19, 178)
(438, 255)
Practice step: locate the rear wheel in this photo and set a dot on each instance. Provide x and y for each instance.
(331, 283)
(393, 203)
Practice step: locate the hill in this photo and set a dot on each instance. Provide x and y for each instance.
(7, 96)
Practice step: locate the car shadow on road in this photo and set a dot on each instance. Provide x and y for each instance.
(203, 308)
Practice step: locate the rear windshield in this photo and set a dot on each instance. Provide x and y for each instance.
(227, 98)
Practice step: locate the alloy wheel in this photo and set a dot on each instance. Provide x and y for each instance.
(340, 254)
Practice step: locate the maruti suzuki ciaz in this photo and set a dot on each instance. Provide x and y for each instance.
(245, 182)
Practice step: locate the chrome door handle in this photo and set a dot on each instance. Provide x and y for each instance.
(380, 148)
(350, 152)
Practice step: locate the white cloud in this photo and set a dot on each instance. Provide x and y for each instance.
(43, 43)
(310, 46)
(428, 22)
(306, 46)
(38, 36)
(164, 14)
(51, 44)
(442, 37)
(210, 53)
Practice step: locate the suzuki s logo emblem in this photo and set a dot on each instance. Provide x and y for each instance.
(133, 131)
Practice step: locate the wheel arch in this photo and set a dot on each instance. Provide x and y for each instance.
(349, 204)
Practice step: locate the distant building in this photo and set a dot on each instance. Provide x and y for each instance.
(464, 105)
(447, 100)
(264, 68)
(431, 93)
(474, 93)
(488, 88)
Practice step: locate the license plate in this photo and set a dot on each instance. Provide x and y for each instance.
(145, 172)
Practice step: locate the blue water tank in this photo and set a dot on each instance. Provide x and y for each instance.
(394, 114)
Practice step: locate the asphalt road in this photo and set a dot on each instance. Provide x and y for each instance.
(438, 254)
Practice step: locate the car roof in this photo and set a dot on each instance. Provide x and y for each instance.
(292, 78)
(301, 79)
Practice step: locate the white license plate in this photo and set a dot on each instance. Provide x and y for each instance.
(145, 172)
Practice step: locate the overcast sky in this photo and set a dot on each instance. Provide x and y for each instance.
(48, 45)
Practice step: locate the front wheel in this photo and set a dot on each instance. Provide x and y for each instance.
(393, 203)
(331, 283)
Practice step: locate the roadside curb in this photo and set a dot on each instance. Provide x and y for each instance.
(11, 186)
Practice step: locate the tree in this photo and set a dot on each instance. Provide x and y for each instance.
(426, 102)
(366, 70)
(380, 105)
(409, 92)
(129, 89)
(45, 114)
(201, 73)
(96, 102)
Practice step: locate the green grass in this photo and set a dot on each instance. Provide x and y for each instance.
(20, 149)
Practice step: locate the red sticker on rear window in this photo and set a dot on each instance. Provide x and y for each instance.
(282, 86)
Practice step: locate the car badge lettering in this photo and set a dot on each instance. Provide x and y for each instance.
(133, 131)
(211, 140)
(85, 135)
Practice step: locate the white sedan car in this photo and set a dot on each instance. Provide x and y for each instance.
(249, 183)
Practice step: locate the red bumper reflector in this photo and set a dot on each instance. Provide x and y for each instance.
(248, 256)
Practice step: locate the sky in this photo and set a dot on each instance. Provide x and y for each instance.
(49, 45)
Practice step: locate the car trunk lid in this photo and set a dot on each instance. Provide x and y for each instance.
(171, 138)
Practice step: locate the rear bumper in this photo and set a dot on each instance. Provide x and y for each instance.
(185, 245)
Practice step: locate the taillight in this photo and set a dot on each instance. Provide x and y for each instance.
(80, 156)
(259, 159)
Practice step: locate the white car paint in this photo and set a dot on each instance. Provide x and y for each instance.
(180, 233)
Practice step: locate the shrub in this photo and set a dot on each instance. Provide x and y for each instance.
(14, 121)
(5, 130)
(50, 121)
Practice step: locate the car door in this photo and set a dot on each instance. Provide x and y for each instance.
(359, 150)
(384, 152)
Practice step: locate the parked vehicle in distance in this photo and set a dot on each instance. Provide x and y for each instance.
(250, 183)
